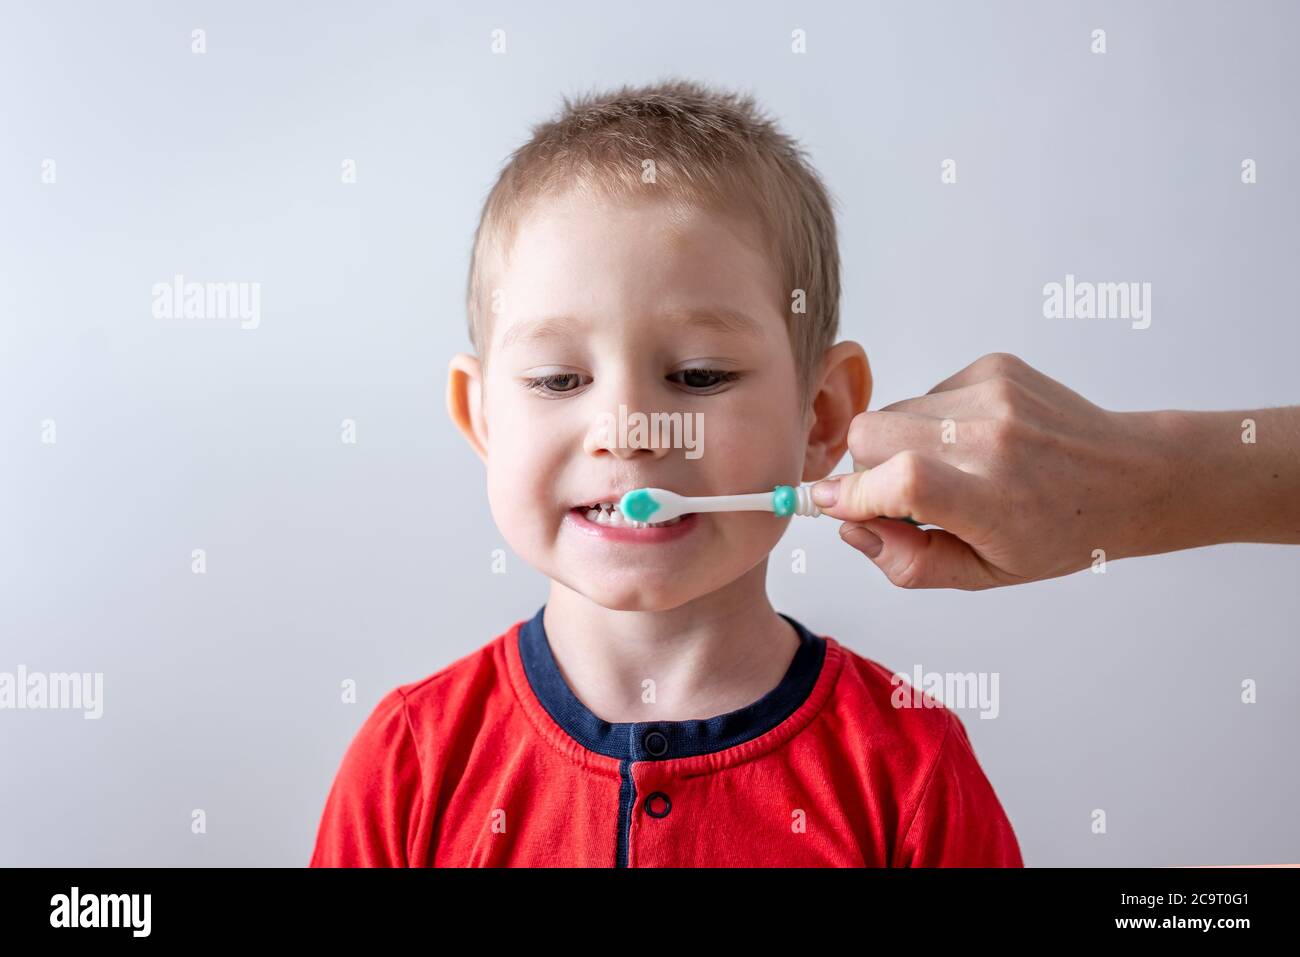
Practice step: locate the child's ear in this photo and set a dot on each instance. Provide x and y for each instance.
(844, 390)
(465, 400)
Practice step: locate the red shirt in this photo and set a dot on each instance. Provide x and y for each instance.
(494, 762)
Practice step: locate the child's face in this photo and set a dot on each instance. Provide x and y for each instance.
(624, 280)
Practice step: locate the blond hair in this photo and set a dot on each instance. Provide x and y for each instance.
(710, 150)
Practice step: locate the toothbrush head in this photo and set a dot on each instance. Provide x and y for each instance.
(639, 504)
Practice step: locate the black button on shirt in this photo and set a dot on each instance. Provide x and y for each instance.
(660, 807)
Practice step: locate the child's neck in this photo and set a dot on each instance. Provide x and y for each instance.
(720, 652)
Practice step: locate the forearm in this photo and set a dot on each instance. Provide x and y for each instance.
(1233, 477)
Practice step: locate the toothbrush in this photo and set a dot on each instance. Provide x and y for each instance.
(784, 500)
(639, 504)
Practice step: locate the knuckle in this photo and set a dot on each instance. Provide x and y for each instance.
(910, 573)
(1004, 362)
(1002, 433)
(1006, 395)
(859, 432)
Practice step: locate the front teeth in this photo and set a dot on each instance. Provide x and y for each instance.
(607, 513)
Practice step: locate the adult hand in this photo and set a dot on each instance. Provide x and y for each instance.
(1028, 480)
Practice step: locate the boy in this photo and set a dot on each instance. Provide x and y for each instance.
(657, 250)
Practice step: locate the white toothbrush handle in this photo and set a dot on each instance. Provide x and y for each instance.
(750, 502)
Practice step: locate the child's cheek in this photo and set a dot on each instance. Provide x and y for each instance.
(519, 507)
(750, 454)
(730, 449)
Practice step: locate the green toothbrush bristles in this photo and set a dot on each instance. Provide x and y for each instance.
(638, 505)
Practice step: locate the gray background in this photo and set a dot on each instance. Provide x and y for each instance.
(372, 562)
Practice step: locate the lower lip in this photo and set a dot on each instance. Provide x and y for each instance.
(626, 533)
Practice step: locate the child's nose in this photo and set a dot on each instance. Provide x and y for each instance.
(625, 432)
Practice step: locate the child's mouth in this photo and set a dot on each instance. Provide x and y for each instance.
(604, 521)
(608, 513)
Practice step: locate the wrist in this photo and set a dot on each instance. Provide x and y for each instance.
(1209, 497)
(1171, 477)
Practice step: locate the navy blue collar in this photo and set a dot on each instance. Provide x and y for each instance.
(663, 740)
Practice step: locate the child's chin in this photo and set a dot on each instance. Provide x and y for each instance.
(648, 595)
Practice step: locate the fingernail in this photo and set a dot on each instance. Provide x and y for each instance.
(864, 540)
(826, 492)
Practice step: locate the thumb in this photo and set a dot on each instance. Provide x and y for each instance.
(914, 557)
(918, 486)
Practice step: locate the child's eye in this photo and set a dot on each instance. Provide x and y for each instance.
(562, 383)
(556, 384)
(703, 378)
